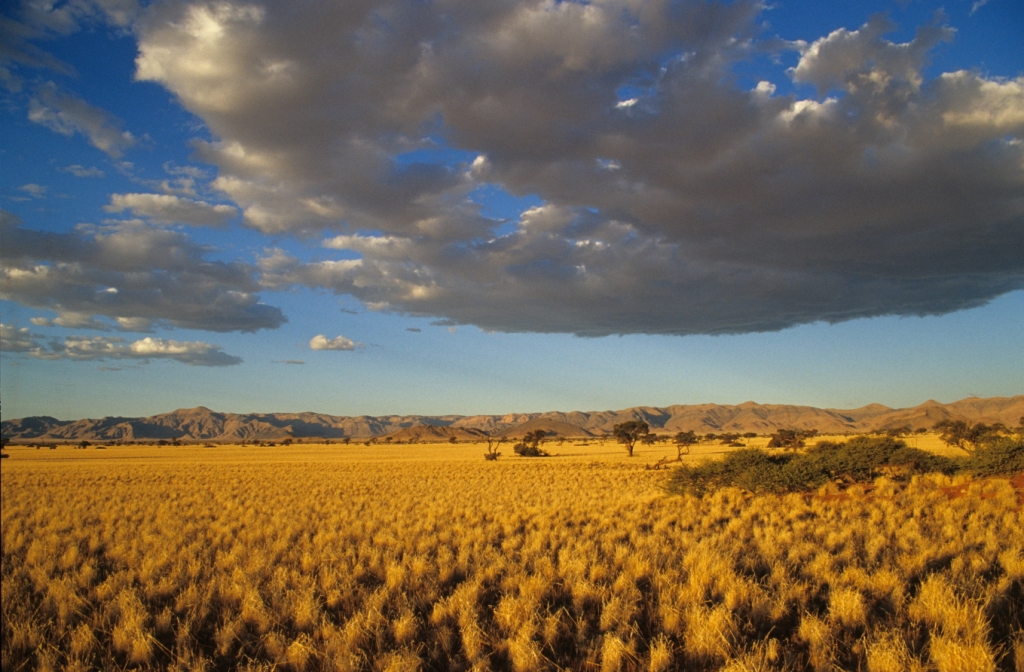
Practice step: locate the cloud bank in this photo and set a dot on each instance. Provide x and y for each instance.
(168, 209)
(673, 199)
(136, 275)
(93, 348)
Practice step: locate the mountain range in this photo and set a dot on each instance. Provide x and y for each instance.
(202, 424)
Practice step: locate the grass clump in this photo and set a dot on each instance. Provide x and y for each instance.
(860, 459)
(336, 560)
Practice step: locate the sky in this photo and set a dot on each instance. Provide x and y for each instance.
(404, 207)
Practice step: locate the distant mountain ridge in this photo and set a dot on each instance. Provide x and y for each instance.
(202, 424)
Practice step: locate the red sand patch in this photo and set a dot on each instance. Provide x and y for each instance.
(952, 492)
(955, 491)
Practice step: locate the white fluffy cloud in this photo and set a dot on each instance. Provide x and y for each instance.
(66, 114)
(130, 273)
(91, 348)
(321, 342)
(168, 209)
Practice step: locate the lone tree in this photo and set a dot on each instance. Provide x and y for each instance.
(492, 448)
(684, 440)
(627, 433)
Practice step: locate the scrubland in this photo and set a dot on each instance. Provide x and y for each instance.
(428, 557)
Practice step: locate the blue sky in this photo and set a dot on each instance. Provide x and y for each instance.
(404, 207)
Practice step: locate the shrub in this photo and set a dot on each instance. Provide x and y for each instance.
(528, 450)
(750, 466)
(790, 438)
(1002, 455)
(857, 460)
(530, 445)
(966, 436)
(863, 458)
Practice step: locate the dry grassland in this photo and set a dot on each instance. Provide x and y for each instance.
(428, 557)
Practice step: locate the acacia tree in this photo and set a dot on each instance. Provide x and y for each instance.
(627, 433)
(964, 436)
(683, 442)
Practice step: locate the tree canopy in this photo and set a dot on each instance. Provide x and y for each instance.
(627, 433)
(965, 436)
(683, 442)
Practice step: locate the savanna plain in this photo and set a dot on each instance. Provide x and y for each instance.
(385, 557)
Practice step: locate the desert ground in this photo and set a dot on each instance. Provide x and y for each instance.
(401, 557)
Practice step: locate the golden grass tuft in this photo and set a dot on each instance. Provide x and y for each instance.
(407, 558)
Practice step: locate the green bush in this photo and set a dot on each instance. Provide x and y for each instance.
(1002, 455)
(858, 460)
(528, 450)
(749, 466)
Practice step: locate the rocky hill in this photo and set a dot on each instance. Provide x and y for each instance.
(202, 424)
(435, 434)
(548, 425)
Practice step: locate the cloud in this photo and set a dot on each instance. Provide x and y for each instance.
(193, 353)
(16, 339)
(72, 320)
(67, 115)
(82, 171)
(67, 17)
(33, 190)
(291, 361)
(16, 48)
(167, 209)
(856, 59)
(674, 200)
(92, 348)
(321, 342)
(136, 275)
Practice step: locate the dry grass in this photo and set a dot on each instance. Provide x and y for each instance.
(428, 557)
